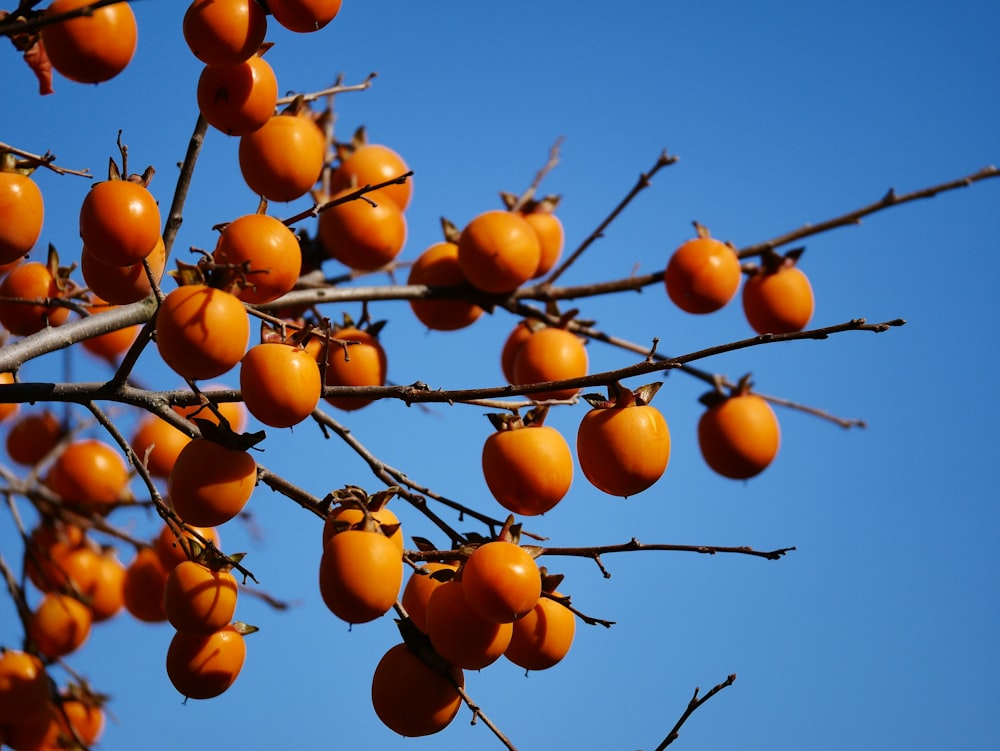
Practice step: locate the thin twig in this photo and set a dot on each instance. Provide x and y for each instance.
(46, 160)
(690, 710)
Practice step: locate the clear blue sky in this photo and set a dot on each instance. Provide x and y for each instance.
(880, 630)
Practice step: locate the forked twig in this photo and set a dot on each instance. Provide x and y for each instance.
(690, 710)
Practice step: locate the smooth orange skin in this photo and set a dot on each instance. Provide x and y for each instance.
(625, 450)
(360, 574)
(281, 384)
(32, 437)
(22, 213)
(30, 281)
(550, 354)
(89, 473)
(54, 563)
(351, 515)
(366, 366)
(361, 236)
(438, 266)
(551, 238)
(87, 723)
(119, 222)
(501, 581)
(104, 591)
(24, 687)
(205, 666)
(159, 443)
(702, 275)
(197, 599)
(417, 592)
(210, 484)
(121, 285)
(224, 32)
(410, 697)
(372, 164)
(542, 637)
(269, 250)
(171, 550)
(508, 354)
(145, 580)
(304, 16)
(780, 302)
(283, 158)
(91, 49)
(8, 409)
(498, 251)
(459, 634)
(739, 437)
(201, 332)
(239, 98)
(59, 625)
(528, 470)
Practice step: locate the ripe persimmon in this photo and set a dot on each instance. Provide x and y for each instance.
(361, 235)
(121, 285)
(362, 362)
(702, 275)
(158, 443)
(32, 437)
(171, 549)
(371, 164)
(412, 698)
(528, 469)
(234, 413)
(76, 719)
(104, 590)
(543, 637)
(418, 590)
(238, 98)
(221, 32)
(94, 47)
(22, 213)
(280, 383)
(210, 483)
(501, 581)
(551, 238)
(512, 344)
(304, 16)
(779, 301)
(89, 473)
(346, 515)
(199, 599)
(459, 634)
(283, 158)
(204, 666)
(623, 444)
(111, 345)
(145, 580)
(438, 267)
(739, 435)
(550, 354)
(119, 222)
(498, 251)
(360, 574)
(266, 253)
(201, 332)
(31, 281)
(59, 625)
(24, 687)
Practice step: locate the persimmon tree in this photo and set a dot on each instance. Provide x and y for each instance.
(115, 487)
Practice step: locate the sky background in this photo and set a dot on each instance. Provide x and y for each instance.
(880, 630)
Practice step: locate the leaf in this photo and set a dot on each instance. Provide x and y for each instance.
(37, 59)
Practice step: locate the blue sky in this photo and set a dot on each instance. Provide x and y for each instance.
(880, 629)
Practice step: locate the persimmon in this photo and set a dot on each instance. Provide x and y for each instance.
(412, 698)
(551, 238)
(498, 251)
(53, 564)
(59, 625)
(24, 687)
(158, 443)
(238, 98)
(111, 345)
(8, 409)
(361, 362)
(204, 666)
(266, 253)
(371, 164)
(145, 580)
(104, 590)
(459, 634)
(171, 549)
(360, 573)
(528, 469)
(234, 413)
(31, 281)
(22, 213)
(418, 590)
(360, 235)
(501, 581)
(33, 437)
(119, 222)
(346, 515)
(283, 158)
(778, 301)
(739, 436)
(702, 275)
(76, 718)
(224, 32)
(121, 285)
(280, 383)
(304, 16)
(201, 332)
(210, 483)
(199, 599)
(89, 473)
(623, 444)
(438, 267)
(550, 354)
(94, 47)
(518, 335)
(31, 734)
(543, 637)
